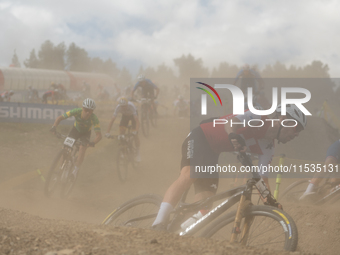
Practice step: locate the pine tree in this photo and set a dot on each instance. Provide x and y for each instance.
(15, 60)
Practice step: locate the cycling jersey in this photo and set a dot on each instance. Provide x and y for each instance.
(334, 151)
(219, 142)
(81, 125)
(148, 88)
(128, 110)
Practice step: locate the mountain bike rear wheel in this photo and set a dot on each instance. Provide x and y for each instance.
(53, 176)
(270, 228)
(294, 191)
(139, 212)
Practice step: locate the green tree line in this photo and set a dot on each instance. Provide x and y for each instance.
(75, 58)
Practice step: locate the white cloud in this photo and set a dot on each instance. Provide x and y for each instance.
(155, 32)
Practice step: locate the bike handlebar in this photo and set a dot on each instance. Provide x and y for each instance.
(62, 136)
(245, 160)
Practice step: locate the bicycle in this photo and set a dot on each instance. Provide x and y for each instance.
(148, 115)
(325, 192)
(126, 154)
(249, 224)
(60, 171)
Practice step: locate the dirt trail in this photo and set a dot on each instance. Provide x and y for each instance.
(98, 191)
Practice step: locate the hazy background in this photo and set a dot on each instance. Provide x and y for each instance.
(149, 33)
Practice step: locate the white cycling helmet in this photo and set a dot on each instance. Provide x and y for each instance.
(295, 113)
(89, 103)
(141, 77)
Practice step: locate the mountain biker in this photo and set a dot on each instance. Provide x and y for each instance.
(204, 144)
(148, 88)
(85, 119)
(129, 113)
(250, 78)
(332, 158)
(33, 94)
(181, 107)
(6, 95)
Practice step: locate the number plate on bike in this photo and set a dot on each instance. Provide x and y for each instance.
(69, 141)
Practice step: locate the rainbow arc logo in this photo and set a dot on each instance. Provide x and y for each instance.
(209, 93)
(204, 97)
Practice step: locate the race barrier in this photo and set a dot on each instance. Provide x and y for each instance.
(33, 113)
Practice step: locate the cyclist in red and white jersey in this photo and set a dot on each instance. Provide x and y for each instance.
(204, 144)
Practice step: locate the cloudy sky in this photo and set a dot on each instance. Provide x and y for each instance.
(150, 33)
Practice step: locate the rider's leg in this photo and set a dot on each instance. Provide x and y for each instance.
(318, 177)
(195, 152)
(173, 195)
(85, 137)
(124, 122)
(81, 155)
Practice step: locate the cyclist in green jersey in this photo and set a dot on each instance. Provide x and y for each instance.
(85, 119)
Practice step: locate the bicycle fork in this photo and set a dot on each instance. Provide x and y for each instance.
(236, 231)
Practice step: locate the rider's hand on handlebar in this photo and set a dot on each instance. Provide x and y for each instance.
(107, 135)
(53, 130)
(272, 201)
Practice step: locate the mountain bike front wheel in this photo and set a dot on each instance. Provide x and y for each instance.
(139, 212)
(144, 121)
(122, 163)
(153, 116)
(269, 227)
(68, 183)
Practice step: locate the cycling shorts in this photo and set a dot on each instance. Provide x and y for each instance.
(84, 137)
(196, 151)
(125, 121)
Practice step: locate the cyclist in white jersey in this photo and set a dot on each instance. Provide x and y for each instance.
(129, 113)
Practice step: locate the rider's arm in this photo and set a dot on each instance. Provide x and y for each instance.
(98, 136)
(58, 120)
(154, 86)
(238, 76)
(110, 124)
(96, 128)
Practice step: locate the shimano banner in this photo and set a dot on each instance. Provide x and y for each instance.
(33, 113)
